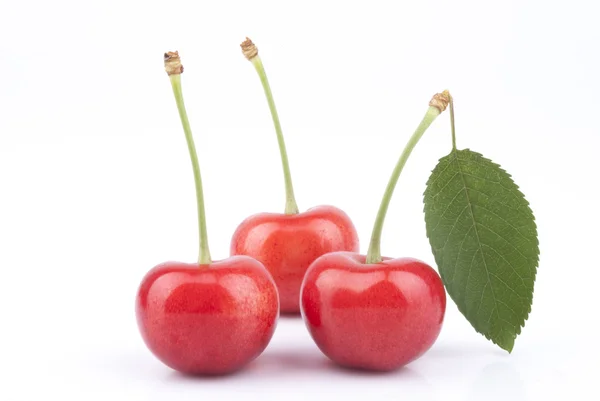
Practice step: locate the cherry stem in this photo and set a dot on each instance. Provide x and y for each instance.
(251, 52)
(436, 106)
(174, 69)
(452, 123)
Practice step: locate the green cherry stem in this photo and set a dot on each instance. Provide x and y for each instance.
(452, 122)
(174, 69)
(438, 103)
(250, 51)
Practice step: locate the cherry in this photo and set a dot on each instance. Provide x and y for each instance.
(288, 243)
(373, 312)
(207, 319)
(376, 316)
(210, 317)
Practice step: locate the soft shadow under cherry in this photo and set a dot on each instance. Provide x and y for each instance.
(453, 351)
(401, 372)
(284, 361)
(186, 377)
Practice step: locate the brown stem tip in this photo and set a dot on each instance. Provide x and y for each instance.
(173, 63)
(249, 49)
(440, 100)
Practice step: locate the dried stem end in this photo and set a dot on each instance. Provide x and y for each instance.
(173, 63)
(440, 100)
(249, 49)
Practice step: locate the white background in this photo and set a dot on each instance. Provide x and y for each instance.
(96, 185)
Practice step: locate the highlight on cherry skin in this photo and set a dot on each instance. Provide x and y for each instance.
(372, 312)
(287, 243)
(209, 317)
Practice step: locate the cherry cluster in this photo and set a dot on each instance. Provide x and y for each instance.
(362, 311)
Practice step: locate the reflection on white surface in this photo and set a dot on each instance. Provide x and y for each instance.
(497, 381)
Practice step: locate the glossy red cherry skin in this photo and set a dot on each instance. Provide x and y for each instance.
(207, 319)
(287, 244)
(372, 316)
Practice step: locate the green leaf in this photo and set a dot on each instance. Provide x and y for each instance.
(484, 239)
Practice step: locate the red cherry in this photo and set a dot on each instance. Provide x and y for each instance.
(207, 319)
(369, 312)
(377, 316)
(288, 243)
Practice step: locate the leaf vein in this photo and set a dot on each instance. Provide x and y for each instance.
(477, 235)
(446, 209)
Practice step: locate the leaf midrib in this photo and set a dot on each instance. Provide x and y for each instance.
(487, 273)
